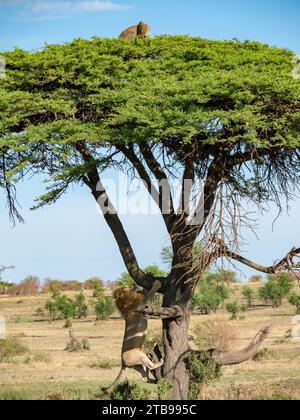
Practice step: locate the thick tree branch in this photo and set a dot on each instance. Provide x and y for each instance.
(285, 264)
(93, 181)
(162, 313)
(234, 358)
(161, 177)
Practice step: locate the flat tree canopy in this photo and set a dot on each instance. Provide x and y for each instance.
(225, 112)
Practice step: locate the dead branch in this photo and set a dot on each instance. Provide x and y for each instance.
(287, 263)
(236, 357)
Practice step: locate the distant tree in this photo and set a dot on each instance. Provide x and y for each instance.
(90, 284)
(248, 294)
(104, 307)
(295, 301)
(233, 309)
(210, 293)
(28, 287)
(81, 307)
(256, 279)
(277, 288)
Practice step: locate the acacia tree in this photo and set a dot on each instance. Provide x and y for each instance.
(227, 113)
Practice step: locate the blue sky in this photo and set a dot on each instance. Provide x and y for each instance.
(70, 240)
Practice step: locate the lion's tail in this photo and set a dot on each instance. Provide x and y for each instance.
(104, 390)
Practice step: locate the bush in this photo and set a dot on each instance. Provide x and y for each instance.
(104, 307)
(202, 369)
(92, 282)
(62, 307)
(28, 287)
(11, 347)
(295, 301)
(256, 279)
(75, 345)
(215, 334)
(164, 388)
(210, 293)
(277, 288)
(129, 392)
(233, 309)
(81, 308)
(263, 354)
(4, 287)
(248, 294)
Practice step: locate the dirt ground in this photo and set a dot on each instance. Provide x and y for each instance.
(48, 371)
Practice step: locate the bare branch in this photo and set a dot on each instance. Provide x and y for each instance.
(234, 358)
(285, 264)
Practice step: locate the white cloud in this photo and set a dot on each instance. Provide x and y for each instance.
(59, 9)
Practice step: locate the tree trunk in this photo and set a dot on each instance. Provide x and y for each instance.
(175, 337)
(175, 334)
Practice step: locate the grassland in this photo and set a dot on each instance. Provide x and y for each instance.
(47, 371)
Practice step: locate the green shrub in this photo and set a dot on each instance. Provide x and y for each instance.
(233, 309)
(11, 347)
(248, 294)
(63, 307)
(210, 293)
(104, 307)
(277, 288)
(263, 354)
(295, 301)
(81, 308)
(129, 392)
(164, 388)
(202, 369)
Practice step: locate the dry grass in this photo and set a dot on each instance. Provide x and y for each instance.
(49, 372)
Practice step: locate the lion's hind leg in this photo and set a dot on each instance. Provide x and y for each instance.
(149, 364)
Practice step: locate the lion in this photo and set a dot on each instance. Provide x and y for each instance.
(141, 30)
(129, 301)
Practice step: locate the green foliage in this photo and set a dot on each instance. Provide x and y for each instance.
(104, 307)
(164, 388)
(210, 293)
(127, 280)
(263, 354)
(233, 308)
(81, 308)
(63, 307)
(202, 369)
(11, 347)
(167, 89)
(277, 288)
(129, 392)
(248, 294)
(295, 301)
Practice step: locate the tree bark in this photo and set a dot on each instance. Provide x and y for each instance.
(175, 333)
(175, 338)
